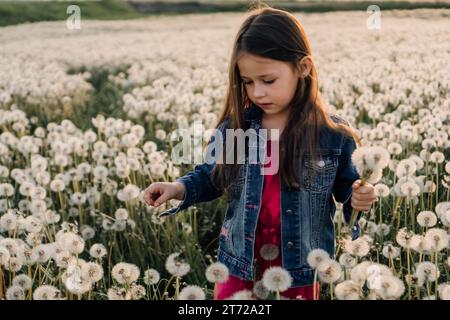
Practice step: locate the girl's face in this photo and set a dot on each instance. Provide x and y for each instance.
(270, 84)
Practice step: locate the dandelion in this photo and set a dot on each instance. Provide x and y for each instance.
(348, 290)
(192, 292)
(6, 190)
(426, 272)
(438, 238)
(217, 273)
(381, 190)
(175, 266)
(15, 293)
(46, 292)
(317, 256)
(390, 252)
(269, 252)
(97, 251)
(121, 214)
(405, 168)
(242, 295)
(23, 281)
(92, 271)
(444, 291)
(151, 276)
(14, 264)
(409, 189)
(426, 219)
(137, 292)
(260, 291)
(277, 279)
(4, 256)
(116, 293)
(128, 193)
(389, 287)
(8, 221)
(125, 273)
(347, 261)
(329, 271)
(358, 247)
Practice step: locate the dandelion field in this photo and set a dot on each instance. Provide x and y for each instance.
(85, 117)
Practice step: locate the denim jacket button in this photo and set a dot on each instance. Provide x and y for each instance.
(290, 244)
(289, 211)
(321, 163)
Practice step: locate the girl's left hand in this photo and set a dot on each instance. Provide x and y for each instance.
(362, 196)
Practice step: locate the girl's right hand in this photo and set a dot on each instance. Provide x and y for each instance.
(159, 192)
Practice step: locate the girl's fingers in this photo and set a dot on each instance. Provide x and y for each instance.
(361, 205)
(162, 198)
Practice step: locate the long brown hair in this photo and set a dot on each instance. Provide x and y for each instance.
(277, 35)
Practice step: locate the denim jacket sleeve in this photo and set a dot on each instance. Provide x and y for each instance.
(345, 176)
(198, 184)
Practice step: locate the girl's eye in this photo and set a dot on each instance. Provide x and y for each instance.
(266, 82)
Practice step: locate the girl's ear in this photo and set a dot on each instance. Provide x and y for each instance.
(304, 66)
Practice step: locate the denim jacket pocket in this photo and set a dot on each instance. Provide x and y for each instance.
(319, 175)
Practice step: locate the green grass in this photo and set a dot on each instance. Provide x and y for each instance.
(13, 12)
(19, 12)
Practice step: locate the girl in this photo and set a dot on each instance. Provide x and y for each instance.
(275, 219)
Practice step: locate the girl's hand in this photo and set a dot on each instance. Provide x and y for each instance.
(159, 192)
(362, 196)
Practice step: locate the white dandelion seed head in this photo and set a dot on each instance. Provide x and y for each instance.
(151, 277)
(403, 237)
(406, 168)
(348, 290)
(347, 260)
(137, 291)
(409, 189)
(97, 251)
(437, 157)
(358, 273)
(426, 219)
(242, 295)
(317, 256)
(124, 272)
(389, 287)
(358, 247)
(23, 281)
(381, 190)
(438, 238)
(192, 292)
(217, 272)
(121, 214)
(15, 293)
(4, 256)
(277, 279)
(444, 291)
(390, 251)
(8, 221)
(329, 271)
(116, 293)
(177, 266)
(269, 252)
(260, 291)
(395, 148)
(46, 292)
(92, 272)
(426, 272)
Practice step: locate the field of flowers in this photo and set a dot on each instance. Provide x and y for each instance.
(84, 120)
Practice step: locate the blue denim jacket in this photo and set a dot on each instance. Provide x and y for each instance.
(306, 214)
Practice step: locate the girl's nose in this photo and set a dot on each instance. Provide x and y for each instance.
(258, 91)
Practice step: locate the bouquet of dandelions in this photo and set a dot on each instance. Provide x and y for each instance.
(369, 162)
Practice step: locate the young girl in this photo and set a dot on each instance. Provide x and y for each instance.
(275, 219)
